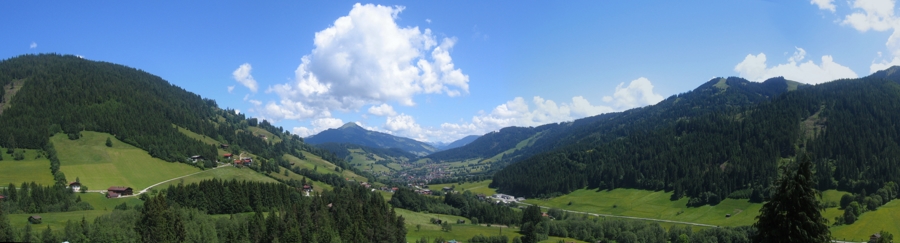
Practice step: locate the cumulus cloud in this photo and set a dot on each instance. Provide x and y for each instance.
(877, 15)
(366, 58)
(638, 92)
(33, 45)
(318, 125)
(242, 75)
(824, 4)
(754, 68)
(539, 111)
(382, 110)
(230, 88)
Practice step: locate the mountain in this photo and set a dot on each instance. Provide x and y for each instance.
(352, 133)
(725, 139)
(459, 143)
(46, 94)
(514, 144)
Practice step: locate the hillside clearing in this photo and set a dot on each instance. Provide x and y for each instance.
(100, 167)
(27, 170)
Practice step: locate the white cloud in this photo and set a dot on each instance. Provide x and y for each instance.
(876, 15)
(824, 4)
(382, 110)
(366, 58)
(428, 20)
(540, 111)
(230, 88)
(242, 75)
(754, 68)
(318, 125)
(255, 102)
(638, 93)
(33, 45)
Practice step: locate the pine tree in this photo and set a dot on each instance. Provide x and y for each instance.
(792, 215)
(159, 222)
(6, 232)
(108, 142)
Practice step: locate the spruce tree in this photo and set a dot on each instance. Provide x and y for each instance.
(6, 231)
(792, 214)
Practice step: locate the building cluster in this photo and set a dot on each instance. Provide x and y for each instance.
(503, 198)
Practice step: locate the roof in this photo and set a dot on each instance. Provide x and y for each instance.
(75, 182)
(227, 155)
(36, 216)
(118, 188)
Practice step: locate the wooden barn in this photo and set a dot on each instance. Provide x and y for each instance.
(117, 191)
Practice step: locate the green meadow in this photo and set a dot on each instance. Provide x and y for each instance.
(317, 186)
(223, 173)
(460, 232)
(321, 166)
(56, 221)
(100, 167)
(886, 217)
(654, 205)
(480, 187)
(32, 168)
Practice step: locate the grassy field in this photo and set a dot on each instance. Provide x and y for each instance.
(317, 186)
(204, 139)
(475, 187)
(100, 202)
(887, 217)
(100, 167)
(56, 221)
(656, 205)
(460, 232)
(312, 161)
(224, 173)
(269, 136)
(27, 170)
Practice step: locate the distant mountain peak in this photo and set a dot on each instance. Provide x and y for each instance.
(350, 125)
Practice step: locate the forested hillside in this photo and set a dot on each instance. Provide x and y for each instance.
(354, 134)
(68, 94)
(724, 145)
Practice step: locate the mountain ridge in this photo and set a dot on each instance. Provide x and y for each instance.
(352, 133)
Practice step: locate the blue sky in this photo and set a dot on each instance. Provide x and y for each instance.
(440, 70)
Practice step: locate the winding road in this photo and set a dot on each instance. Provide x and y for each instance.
(162, 182)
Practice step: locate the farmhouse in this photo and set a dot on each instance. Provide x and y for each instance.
(2, 197)
(228, 155)
(34, 219)
(224, 146)
(196, 158)
(75, 186)
(447, 189)
(118, 191)
(307, 188)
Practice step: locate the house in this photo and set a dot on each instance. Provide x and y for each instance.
(447, 189)
(394, 189)
(120, 190)
(228, 155)
(2, 197)
(112, 194)
(875, 237)
(34, 219)
(307, 188)
(196, 158)
(75, 186)
(224, 146)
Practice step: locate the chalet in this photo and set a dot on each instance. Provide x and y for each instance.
(875, 237)
(263, 136)
(35, 219)
(75, 186)
(196, 158)
(365, 184)
(2, 197)
(224, 146)
(394, 189)
(120, 191)
(307, 188)
(112, 194)
(447, 189)
(228, 155)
